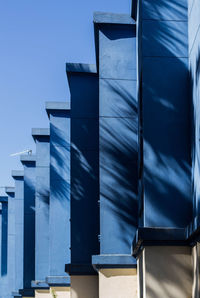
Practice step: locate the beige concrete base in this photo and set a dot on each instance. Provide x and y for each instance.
(165, 272)
(53, 292)
(196, 268)
(42, 294)
(117, 283)
(84, 286)
(60, 292)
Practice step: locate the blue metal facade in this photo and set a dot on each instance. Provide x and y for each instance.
(83, 83)
(59, 216)
(28, 162)
(42, 191)
(120, 161)
(11, 240)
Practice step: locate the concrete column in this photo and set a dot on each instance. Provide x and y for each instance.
(84, 87)
(167, 271)
(28, 162)
(4, 290)
(59, 216)
(42, 189)
(115, 37)
(11, 239)
(18, 176)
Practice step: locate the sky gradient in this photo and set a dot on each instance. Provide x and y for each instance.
(37, 38)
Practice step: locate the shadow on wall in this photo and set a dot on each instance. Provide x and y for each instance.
(60, 166)
(166, 114)
(118, 168)
(4, 239)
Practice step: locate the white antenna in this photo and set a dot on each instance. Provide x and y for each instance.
(29, 151)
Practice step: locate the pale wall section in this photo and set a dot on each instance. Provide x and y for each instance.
(60, 292)
(196, 267)
(84, 287)
(168, 272)
(118, 283)
(42, 294)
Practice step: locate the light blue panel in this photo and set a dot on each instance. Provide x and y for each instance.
(60, 129)
(19, 231)
(118, 98)
(60, 162)
(59, 216)
(117, 47)
(164, 38)
(42, 194)
(59, 221)
(118, 187)
(43, 158)
(164, 9)
(82, 130)
(194, 24)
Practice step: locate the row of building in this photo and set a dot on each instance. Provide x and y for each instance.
(108, 207)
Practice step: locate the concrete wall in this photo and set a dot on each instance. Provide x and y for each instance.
(118, 283)
(167, 272)
(84, 286)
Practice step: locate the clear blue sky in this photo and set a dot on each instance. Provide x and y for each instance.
(37, 37)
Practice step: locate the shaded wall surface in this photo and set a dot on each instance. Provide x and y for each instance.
(19, 228)
(11, 243)
(59, 217)
(42, 207)
(4, 247)
(194, 67)
(165, 164)
(83, 83)
(29, 224)
(116, 39)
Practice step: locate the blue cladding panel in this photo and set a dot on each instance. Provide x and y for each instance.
(84, 167)
(118, 98)
(116, 52)
(80, 85)
(19, 229)
(164, 9)
(29, 224)
(59, 223)
(165, 38)
(84, 130)
(118, 138)
(118, 172)
(165, 114)
(42, 208)
(11, 243)
(194, 61)
(4, 250)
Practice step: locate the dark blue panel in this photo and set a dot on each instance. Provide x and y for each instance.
(118, 98)
(29, 224)
(83, 95)
(84, 206)
(164, 9)
(165, 38)
(84, 133)
(166, 142)
(60, 128)
(84, 169)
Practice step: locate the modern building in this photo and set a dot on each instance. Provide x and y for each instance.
(109, 205)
